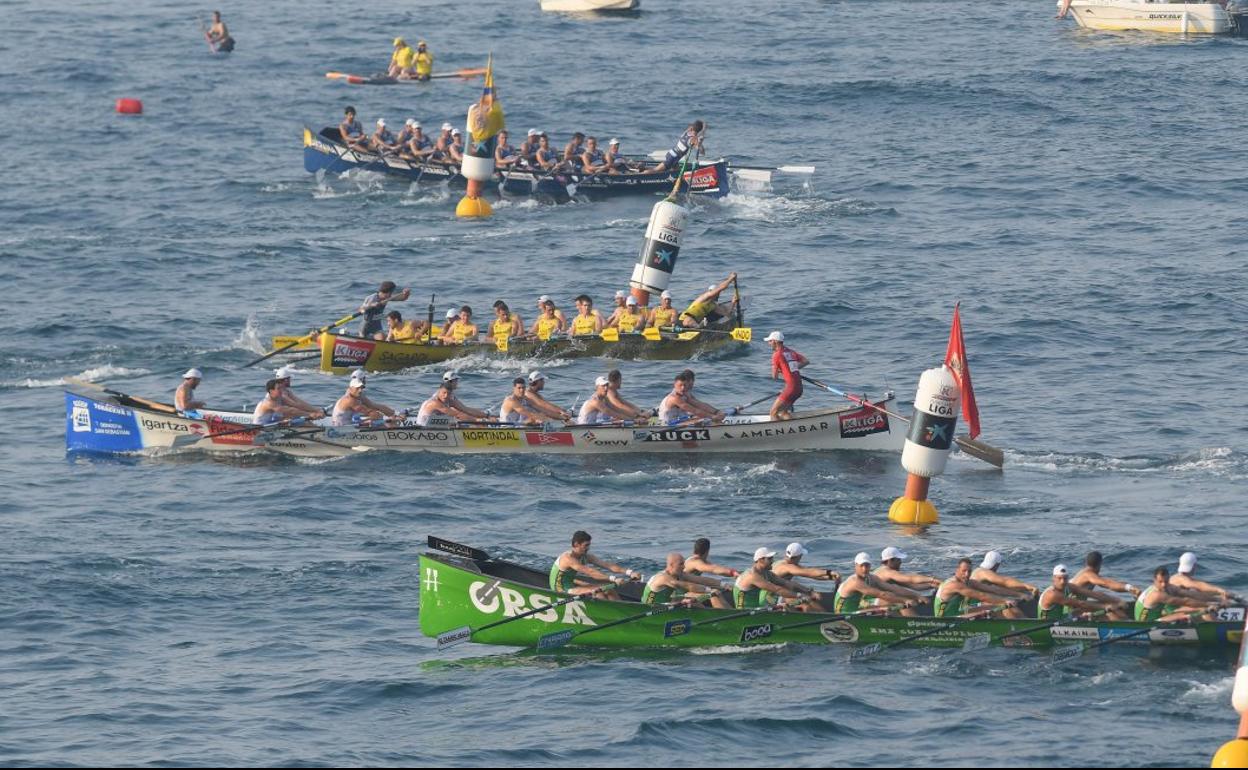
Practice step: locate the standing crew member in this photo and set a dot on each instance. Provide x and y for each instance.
(374, 307)
(355, 405)
(569, 571)
(692, 137)
(184, 398)
(785, 362)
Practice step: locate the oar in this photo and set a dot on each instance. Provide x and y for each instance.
(740, 334)
(307, 337)
(737, 409)
(977, 449)
(1075, 650)
(839, 616)
(781, 169)
(464, 633)
(289, 422)
(876, 648)
(980, 641)
(557, 639)
(156, 405)
(471, 72)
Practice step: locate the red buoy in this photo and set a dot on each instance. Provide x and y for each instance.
(130, 106)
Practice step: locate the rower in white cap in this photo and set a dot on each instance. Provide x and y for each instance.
(790, 567)
(785, 362)
(1162, 603)
(598, 409)
(184, 397)
(283, 377)
(890, 576)
(1059, 599)
(755, 587)
(442, 145)
(987, 577)
(862, 584)
(621, 299)
(533, 393)
(664, 315)
(384, 140)
(707, 309)
(1187, 583)
(354, 406)
(444, 402)
(954, 596)
(631, 319)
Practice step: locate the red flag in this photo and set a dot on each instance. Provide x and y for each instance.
(955, 359)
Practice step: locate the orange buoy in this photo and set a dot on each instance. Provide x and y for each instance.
(127, 106)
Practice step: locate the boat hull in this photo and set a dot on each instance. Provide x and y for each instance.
(98, 423)
(1169, 18)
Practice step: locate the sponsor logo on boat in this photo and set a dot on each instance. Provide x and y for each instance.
(169, 425)
(455, 637)
(703, 178)
(425, 437)
(1165, 16)
(511, 602)
(80, 416)
(839, 632)
(1230, 614)
(491, 437)
(559, 438)
(348, 353)
(754, 633)
(785, 430)
(862, 422)
(219, 425)
(592, 438)
(678, 434)
(1075, 634)
(403, 358)
(677, 628)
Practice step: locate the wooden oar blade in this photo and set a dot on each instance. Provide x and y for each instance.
(981, 451)
(453, 637)
(976, 642)
(555, 640)
(1066, 652)
(742, 334)
(866, 651)
(459, 549)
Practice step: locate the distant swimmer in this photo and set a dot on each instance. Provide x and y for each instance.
(352, 132)
(218, 36)
(184, 398)
(692, 137)
(401, 60)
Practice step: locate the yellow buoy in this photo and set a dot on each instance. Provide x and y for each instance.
(473, 208)
(1232, 754)
(913, 512)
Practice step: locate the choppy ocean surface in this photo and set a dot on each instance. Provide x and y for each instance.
(1082, 194)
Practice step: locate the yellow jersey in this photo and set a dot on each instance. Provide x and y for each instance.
(405, 332)
(585, 324)
(699, 310)
(628, 322)
(460, 332)
(403, 57)
(502, 329)
(664, 317)
(546, 327)
(424, 63)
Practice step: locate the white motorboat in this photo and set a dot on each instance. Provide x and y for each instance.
(1198, 18)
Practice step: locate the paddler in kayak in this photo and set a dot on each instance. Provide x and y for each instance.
(462, 330)
(445, 402)
(954, 596)
(680, 407)
(692, 137)
(398, 330)
(987, 576)
(597, 409)
(283, 377)
(862, 584)
(587, 321)
(785, 362)
(632, 319)
(271, 409)
(701, 562)
(1187, 584)
(673, 583)
(790, 567)
(423, 63)
(1059, 599)
(664, 315)
(506, 323)
(755, 587)
(184, 397)
(352, 132)
(572, 572)
(354, 407)
(401, 60)
(1161, 603)
(516, 409)
(614, 381)
(533, 393)
(374, 307)
(1090, 578)
(218, 35)
(706, 310)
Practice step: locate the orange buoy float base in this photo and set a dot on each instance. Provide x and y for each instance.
(128, 106)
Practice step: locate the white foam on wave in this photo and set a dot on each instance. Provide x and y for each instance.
(1209, 461)
(735, 649)
(106, 372)
(456, 469)
(1209, 691)
(249, 337)
(763, 470)
(784, 209)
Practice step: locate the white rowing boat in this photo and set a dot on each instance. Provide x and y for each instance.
(590, 6)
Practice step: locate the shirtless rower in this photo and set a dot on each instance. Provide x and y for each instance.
(672, 581)
(954, 595)
(598, 409)
(707, 309)
(680, 407)
(1197, 589)
(352, 132)
(1059, 599)
(398, 330)
(550, 320)
(218, 35)
(445, 402)
(890, 576)
(506, 323)
(184, 398)
(1090, 577)
(587, 321)
(354, 406)
(516, 410)
(790, 567)
(692, 137)
(700, 562)
(664, 315)
(631, 319)
(1160, 602)
(383, 139)
(283, 377)
(374, 306)
(462, 330)
(755, 587)
(987, 576)
(785, 362)
(533, 393)
(570, 571)
(862, 584)
(614, 380)
(271, 409)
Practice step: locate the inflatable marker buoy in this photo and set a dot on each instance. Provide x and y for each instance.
(1235, 753)
(659, 250)
(927, 445)
(127, 106)
(477, 170)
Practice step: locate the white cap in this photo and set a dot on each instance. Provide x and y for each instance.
(456, 132)
(1187, 562)
(532, 132)
(381, 122)
(862, 558)
(357, 380)
(1060, 570)
(536, 375)
(992, 560)
(665, 295)
(197, 374)
(447, 127)
(763, 553)
(544, 298)
(795, 549)
(613, 141)
(602, 380)
(893, 553)
(776, 336)
(452, 313)
(284, 372)
(620, 294)
(631, 300)
(450, 376)
(713, 287)
(410, 122)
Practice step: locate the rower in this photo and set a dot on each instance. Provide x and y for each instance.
(374, 306)
(271, 409)
(445, 402)
(632, 319)
(462, 330)
(674, 582)
(452, 314)
(706, 309)
(664, 315)
(516, 410)
(533, 393)
(1161, 603)
(355, 407)
(423, 61)
(862, 583)
(592, 159)
(505, 156)
(755, 587)
(890, 576)
(791, 567)
(785, 362)
(700, 562)
(283, 377)
(692, 137)
(1197, 589)
(528, 148)
(954, 595)
(614, 380)
(399, 330)
(401, 59)
(506, 323)
(680, 407)
(587, 321)
(1090, 577)
(616, 163)
(621, 304)
(598, 408)
(442, 146)
(548, 321)
(383, 139)
(546, 158)
(352, 132)
(1058, 599)
(418, 147)
(987, 577)
(218, 35)
(568, 573)
(455, 150)
(571, 160)
(184, 397)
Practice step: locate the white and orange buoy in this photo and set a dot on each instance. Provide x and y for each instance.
(485, 121)
(129, 106)
(1235, 753)
(659, 250)
(927, 445)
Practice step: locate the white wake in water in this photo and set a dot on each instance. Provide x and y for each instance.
(106, 372)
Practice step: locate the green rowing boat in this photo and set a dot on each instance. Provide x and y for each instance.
(471, 597)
